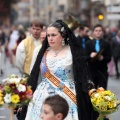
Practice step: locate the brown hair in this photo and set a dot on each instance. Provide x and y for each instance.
(98, 25)
(37, 23)
(58, 105)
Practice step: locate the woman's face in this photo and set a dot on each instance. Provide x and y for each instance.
(54, 37)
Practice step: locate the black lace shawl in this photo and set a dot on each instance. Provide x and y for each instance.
(81, 75)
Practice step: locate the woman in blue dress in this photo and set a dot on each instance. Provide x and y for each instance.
(63, 72)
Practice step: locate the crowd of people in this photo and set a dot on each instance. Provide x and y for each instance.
(61, 64)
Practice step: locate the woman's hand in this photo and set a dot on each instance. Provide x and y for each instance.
(91, 92)
(18, 110)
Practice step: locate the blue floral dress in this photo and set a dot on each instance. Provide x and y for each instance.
(62, 69)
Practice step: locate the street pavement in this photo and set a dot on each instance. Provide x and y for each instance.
(113, 85)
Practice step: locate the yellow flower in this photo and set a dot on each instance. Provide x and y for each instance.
(0, 91)
(105, 100)
(1, 99)
(15, 99)
(111, 106)
(1, 102)
(1, 95)
(108, 92)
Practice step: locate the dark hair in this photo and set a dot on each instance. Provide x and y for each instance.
(79, 67)
(58, 104)
(83, 26)
(44, 30)
(36, 22)
(86, 25)
(73, 46)
(98, 25)
(61, 30)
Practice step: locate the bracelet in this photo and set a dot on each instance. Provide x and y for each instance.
(91, 91)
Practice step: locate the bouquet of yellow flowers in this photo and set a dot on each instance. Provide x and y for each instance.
(15, 92)
(104, 102)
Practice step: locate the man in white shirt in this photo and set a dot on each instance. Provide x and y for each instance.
(24, 54)
(25, 49)
(36, 50)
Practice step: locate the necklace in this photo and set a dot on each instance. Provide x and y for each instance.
(57, 52)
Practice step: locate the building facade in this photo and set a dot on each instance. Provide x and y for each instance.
(51, 10)
(113, 13)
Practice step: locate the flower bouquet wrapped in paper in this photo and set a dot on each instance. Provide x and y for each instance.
(104, 102)
(15, 92)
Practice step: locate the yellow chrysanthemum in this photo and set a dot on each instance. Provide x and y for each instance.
(1, 99)
(107, 92)
(1, 95)
(15, 99)
(105, 100)
(0, 91)
(1, 103)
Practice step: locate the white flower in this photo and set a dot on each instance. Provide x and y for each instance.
(21, 88)
(14, 80)
(96, 95)
(108, 98)
(5, 80)
(7, 98)
(115, 104)
(62, 29)
(13, 75)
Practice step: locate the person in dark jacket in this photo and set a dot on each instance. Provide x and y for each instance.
(80, 81)
(98, 55)
(116, 52)
(83, 37)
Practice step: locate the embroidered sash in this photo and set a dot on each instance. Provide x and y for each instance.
(57, 83)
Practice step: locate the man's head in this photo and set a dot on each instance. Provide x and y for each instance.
(55, 108)
(43, 35)
(36, 28)
(98, 31)
(84, 29)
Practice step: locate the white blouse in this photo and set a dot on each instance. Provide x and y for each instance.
(21, 55)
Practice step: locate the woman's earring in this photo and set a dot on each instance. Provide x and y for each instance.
(63, 42)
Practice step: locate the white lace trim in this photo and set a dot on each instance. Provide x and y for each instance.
(60, 62)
